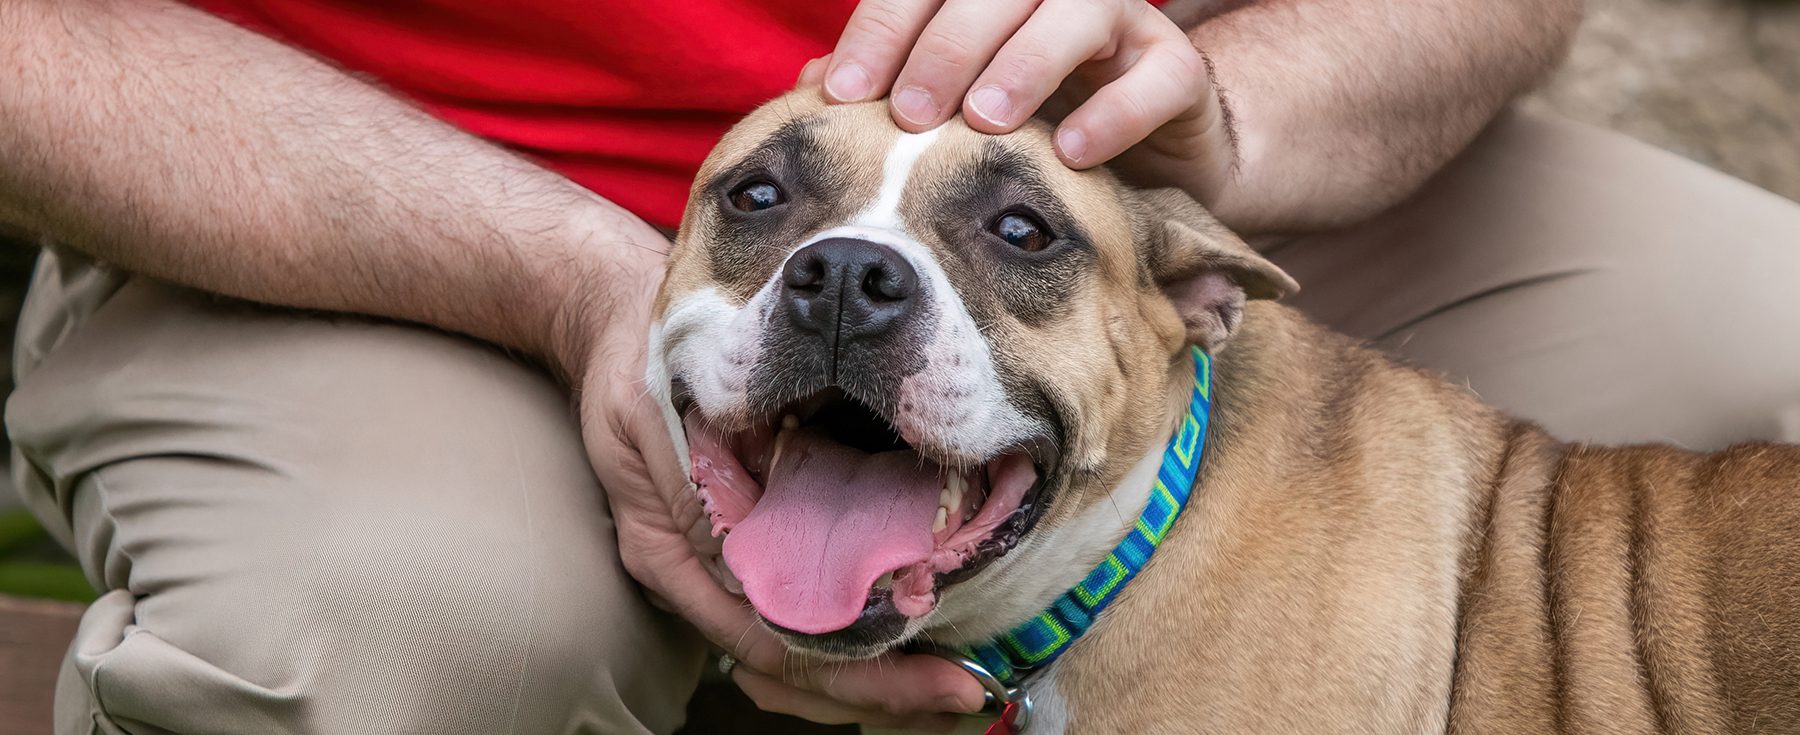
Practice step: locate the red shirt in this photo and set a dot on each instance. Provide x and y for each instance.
(623, 97)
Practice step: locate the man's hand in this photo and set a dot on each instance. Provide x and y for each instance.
(1131, 84)
(1336, 109)
(654, 510)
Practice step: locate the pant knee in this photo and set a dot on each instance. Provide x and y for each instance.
(380, 653)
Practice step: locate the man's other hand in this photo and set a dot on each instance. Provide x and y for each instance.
(1125, 81)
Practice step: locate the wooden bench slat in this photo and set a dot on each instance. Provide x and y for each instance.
(33, 636)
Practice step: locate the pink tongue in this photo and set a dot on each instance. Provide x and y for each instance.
(832, 519)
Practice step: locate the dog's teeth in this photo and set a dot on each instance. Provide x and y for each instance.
(775, 454)
(947, 500)
(886, 581)
(788, 423)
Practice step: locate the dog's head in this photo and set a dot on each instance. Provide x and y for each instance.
(896, 359)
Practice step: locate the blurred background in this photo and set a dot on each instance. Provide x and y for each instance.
(1717, 81)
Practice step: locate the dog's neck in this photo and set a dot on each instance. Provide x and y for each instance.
(1265, 567)
(1262, 358)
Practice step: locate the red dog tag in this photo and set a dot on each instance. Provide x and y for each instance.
(1004, 725)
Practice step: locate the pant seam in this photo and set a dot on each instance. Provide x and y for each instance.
(524, 490)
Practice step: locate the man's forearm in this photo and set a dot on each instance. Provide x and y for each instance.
(170, 143)
(1344, 107)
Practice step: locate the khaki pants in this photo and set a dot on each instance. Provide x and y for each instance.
(332, 525)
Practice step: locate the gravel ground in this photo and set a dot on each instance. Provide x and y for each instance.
(1717, 81)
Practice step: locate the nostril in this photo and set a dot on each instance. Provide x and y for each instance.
(846, 288)
(804, 272)
(880, 284)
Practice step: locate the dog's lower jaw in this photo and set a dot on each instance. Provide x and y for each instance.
(881, 628)
(823, 649)
(841, 653)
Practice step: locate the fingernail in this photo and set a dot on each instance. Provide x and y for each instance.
(1072, 143)
(960, 702)
(915, 105)
(848, 82)
(992, 104)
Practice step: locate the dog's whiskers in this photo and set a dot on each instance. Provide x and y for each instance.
(741, 636)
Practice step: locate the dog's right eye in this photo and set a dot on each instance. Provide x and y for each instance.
(756, 196)
(1022, 231)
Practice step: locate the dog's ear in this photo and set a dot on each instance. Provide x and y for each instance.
(1204, 268)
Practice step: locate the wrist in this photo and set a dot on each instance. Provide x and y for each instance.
(599, 293)
(1215, 173)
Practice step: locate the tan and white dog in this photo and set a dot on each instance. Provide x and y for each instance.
(923, 383)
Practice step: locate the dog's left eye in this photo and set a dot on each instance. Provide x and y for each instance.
(756, 196)
(1022, 231)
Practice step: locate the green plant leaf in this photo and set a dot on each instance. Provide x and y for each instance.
(45, 580)
(18, 528)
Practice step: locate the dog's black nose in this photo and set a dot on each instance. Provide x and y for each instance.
(845, 289)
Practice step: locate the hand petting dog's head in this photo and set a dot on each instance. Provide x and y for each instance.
(907, 367)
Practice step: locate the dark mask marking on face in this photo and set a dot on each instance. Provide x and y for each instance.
(991, 274)
(745, 248)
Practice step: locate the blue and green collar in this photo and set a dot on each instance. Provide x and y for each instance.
(1037, 642)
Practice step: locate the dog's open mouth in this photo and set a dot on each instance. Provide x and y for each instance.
(831, 516)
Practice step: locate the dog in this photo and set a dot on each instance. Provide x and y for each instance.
(930, 386)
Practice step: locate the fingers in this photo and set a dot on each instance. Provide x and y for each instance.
(1004, 58)
(900, 685)
(1165, 82)
(726, 620)
(1034, 62)
(954, 47)
(772, 695)
(875, 43)
(659, 454)
(896, 684)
